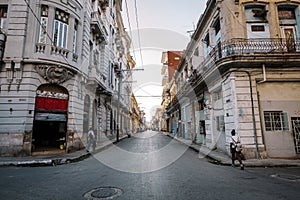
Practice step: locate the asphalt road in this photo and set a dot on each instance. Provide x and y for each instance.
(148, 166)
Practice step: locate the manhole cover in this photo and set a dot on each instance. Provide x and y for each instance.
(103, 193)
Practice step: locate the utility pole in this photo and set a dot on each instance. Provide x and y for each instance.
(118, 106)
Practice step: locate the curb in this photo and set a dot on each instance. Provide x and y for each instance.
(213, 159)
(58, 161)
(247, 163)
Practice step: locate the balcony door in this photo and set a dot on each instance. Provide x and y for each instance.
(289, 34)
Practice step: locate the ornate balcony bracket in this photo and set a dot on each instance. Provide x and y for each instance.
(54, 73)
(119, 44)
(14, 69)
(104, 4)
(98, 28)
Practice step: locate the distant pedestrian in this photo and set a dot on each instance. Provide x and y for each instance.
(235, 149)
(91, 140)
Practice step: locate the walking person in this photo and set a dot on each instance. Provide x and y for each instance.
(91, 140)
(235, 149)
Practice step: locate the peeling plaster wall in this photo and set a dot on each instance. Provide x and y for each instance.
(285, 97)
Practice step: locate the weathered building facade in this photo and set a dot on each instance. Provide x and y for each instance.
(170, 61)
(156, 121)
(60, 72)
(241, 71)
(136, 117)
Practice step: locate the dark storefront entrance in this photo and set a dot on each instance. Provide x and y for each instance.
(50, 119)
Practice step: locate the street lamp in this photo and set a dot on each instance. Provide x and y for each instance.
(2, 43)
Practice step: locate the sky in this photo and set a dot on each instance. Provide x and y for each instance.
(160, 25)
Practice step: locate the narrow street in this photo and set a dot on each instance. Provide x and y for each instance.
(148, 165)
(145, 100)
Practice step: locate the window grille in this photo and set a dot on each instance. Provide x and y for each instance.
(276, 121)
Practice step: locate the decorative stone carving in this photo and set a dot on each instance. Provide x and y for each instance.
(104, 4)
(54, 74)
(119, 43)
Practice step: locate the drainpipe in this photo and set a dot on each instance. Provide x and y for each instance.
(264, 74)
(253, 116)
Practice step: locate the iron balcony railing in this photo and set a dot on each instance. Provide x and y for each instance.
(264, 45)
(240, 47)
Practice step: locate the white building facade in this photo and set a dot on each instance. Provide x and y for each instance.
(60, 71)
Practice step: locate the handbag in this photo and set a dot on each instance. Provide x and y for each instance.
(233, 146)
(239, 147)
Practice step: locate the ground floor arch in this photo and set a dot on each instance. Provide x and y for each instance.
(50, 118)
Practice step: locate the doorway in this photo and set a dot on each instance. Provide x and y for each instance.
(289, 33)
(50, 119)
(49, 134)
(202, 132)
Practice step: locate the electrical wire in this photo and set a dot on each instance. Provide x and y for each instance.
(141, 88)
(239, 22)
(38, 20)
(129, 24)
(138, 31)
(40, 23)
(141, 96)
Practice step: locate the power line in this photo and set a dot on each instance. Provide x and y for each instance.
(145, 96)
(40, 23)
(148, 96)
(129, 24)
(138, 30)
(37, 19)
(140, 88)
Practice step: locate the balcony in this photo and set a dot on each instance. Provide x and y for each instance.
(98, 28)
(272, 45)
(40, 48)
(265, 47)
(241, 51)
(96, 79)
(59, 51)
(53, 53)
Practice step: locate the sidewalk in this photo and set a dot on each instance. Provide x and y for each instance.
(52, 160)
(222, 158)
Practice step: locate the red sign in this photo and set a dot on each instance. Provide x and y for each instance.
(51, 103)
